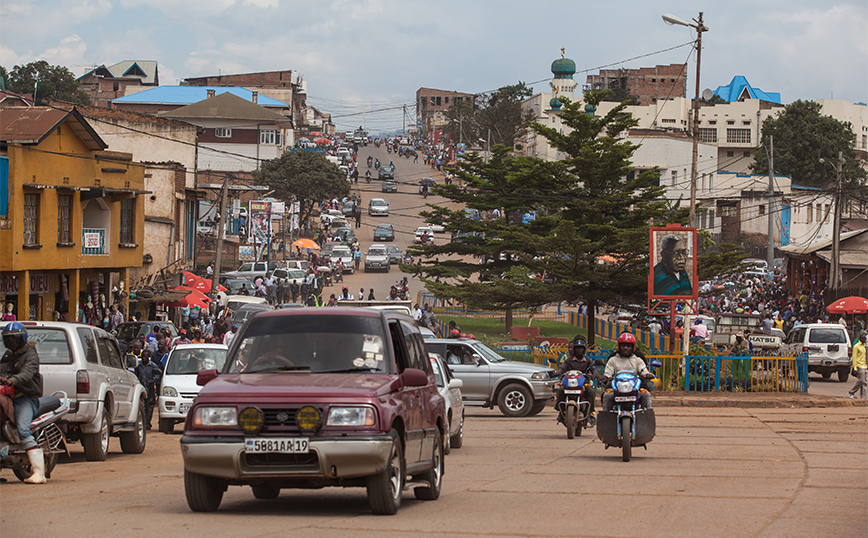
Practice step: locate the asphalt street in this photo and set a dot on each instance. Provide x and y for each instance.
(710, 472)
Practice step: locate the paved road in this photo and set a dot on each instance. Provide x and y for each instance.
(711, 472)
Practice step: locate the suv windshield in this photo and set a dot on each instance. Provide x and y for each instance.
(487, 352)
(128, 331)
(192, 361)
(315, 344)
(51, 345)
(827, 336)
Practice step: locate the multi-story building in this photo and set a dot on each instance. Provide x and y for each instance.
(71, 214)
(432, 104)
(106, 83)
(647, 84)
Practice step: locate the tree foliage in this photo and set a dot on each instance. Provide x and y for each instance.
(586, 212)
(306, 177)
(497, 114)
(50, 83)
(802, 136)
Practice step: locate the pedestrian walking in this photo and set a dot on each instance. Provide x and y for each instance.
(860, 369)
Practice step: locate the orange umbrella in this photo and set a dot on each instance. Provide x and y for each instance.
(322, 141)
(306, 243)
(849, 305)
(196, 282)
(194, 298)
(314, 134)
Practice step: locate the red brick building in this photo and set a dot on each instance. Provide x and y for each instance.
(648, 84)
(431, 105)
(106, 83)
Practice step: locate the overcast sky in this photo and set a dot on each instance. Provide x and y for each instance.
(365, 55)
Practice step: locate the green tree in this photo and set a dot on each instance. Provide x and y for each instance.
(802, 136)
(496, 117)
(306, 177)
(48, 82)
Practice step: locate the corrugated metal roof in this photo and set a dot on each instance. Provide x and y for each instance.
(225, 106)
(187, 95)
(739, 85)
(851, 259)
(820, 244)
(30, 125)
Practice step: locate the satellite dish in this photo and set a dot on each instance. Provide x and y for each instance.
(707, 94)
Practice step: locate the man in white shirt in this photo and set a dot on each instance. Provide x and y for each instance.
(346, 295)
(230, 335)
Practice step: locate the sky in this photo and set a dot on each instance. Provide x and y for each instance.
(362, 56)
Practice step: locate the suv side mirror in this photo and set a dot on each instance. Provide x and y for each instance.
(205, 376)
(130, 360)
(414, 377)
(455, 383)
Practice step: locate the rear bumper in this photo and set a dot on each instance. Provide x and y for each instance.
(328, 458)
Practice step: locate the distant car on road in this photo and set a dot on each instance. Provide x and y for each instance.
(390, 186)
(178, 388)
(377, 258)
(378, 206)
(423, 232)
(395, 254)
(386, 172)
(384, 232)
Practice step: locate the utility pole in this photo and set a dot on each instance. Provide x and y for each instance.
(220, 227)
(770, 253)
(404, 122)
(695, 158)
(835, 281)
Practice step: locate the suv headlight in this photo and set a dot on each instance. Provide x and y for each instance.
(351, 416)
(215, 416)
(170, 392)
(541, 375)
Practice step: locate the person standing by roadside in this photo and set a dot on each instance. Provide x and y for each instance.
(149, 374)
(115, 318)
(860, 368)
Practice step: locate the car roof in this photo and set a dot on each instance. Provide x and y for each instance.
(199, 346)
(384, 225)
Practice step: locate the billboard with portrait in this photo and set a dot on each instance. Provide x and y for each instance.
(673, 275)
(259, 222)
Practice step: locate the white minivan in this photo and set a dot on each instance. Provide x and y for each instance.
(178, 388)
(828, 347)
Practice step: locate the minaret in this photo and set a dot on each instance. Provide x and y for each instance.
(562, 84)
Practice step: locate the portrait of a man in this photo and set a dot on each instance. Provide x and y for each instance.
(670, 273)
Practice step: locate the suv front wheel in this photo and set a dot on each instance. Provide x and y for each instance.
(385, 489)
(515, 400)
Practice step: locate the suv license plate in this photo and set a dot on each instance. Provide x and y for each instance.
(293, 445)
(625, 398)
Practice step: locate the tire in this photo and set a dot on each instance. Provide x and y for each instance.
(626, 438)
(537, 407)
(265, 491)
(843, 375)
(23, 473)
(827, 375)
(515, 400)
(167, 425)
(204, 493)
(385, 489)
(96, 444)
(134, 442)
(457, 440)
(568, 422)
(435, 475)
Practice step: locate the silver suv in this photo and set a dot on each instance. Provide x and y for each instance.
(828, 347)
(105, 397)
(519, 389)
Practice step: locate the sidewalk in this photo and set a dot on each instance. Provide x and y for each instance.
(752, 399)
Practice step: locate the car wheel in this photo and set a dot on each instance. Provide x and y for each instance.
(457, 440)
(537, 407)
(843, 375)
(167, 425)
(385, 488)
(204, 493)
(134, 442)
(434, 476)
(265, 491)
(96, 444)
(827, 375)
(515, 400)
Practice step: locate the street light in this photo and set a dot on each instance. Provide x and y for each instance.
(699, 27)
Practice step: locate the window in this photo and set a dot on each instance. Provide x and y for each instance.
(746, 154)
(728, 211)
(109, 353)
(746, 122)
(221, 132)
(730, 122)
(31, 219)
(668, 120)
(810, 213)
(269, 136)
(762, 210)
(438, 100)
(711, 219)
(730, 154)
(738, 136)
(712, 122)
(708, 135)
(446, 99)
(820, 216)
(674, 177)
(64, 205)
(88, 344)
(827, 212)
(128, 208)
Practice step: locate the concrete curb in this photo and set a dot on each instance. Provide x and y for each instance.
(759, 400)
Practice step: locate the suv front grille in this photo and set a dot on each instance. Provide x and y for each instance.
(295, 462)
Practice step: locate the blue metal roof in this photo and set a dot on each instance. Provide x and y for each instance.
(187, 95)
(739, 86)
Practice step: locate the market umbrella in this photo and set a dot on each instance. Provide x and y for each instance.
(849, 305)
(306, 243)
(197, 282)
(194, 298)
(315, 134)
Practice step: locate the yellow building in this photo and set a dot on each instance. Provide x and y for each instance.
(71, 215)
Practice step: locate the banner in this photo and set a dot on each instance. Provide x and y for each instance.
(673, 264)
(259, 222)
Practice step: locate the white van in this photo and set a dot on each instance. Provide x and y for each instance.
(178, 388)
(828, 346)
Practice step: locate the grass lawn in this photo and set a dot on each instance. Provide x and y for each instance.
(492, 330)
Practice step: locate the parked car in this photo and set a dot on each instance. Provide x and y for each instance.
(519, 389)
(386, 172)
(828, 346)
(450, 389)
(289, 274)
(378, 206)
(384, 232)
(129, 331)
(389, 186)
(178, 388)
(246, 312)
(329, 215)
(347, 208)
(377, 258)
(250, 270)
(314, 397)
(239, 286)
(346, 256)
(105, 398)
(303, 265)
(345, 234)
(395, 254)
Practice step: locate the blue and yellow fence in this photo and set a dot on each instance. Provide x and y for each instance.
(611, 330)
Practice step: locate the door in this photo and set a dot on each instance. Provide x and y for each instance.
(410, 397)
(471, 369)
(119, 382)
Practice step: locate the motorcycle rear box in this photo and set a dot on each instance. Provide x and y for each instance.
(607, 427)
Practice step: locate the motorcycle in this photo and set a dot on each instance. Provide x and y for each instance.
(403, 288)
(370, 162)
(574, 409)
(46, 432)
(377, 164)
(628, 424)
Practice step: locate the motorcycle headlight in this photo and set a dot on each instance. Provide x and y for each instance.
(625, 386)
(215, 416)
(351, 416)
(170, 392)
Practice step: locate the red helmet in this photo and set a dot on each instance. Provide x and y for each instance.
(455, 331)
(627, 338)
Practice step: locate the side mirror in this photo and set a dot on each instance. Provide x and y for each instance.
(205, 376)
(130, 360)
(412, 377)
(456, 384)
(656, 364)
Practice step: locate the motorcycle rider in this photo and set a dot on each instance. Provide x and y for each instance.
(576, 360)
(19, 367)
(626, 360)
(368, 176)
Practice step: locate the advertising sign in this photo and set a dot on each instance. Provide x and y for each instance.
(673, 264)
(91, 240)
(259, 222)
(245, 253)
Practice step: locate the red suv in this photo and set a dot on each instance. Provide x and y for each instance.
(318, 397)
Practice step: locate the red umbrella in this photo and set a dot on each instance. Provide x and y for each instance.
(314, 134)
(194, 298)
(849, 305)
(322, 141)
(198, 283)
